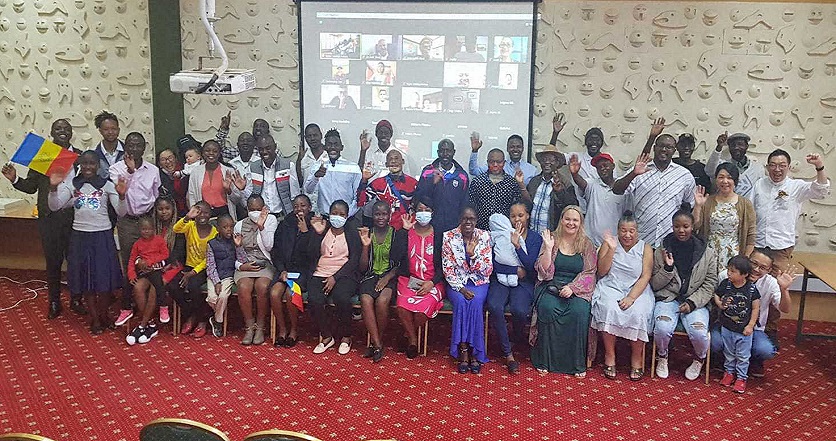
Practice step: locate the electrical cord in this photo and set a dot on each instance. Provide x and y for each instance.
(33, 291)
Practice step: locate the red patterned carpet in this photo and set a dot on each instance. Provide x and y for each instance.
(59, 381)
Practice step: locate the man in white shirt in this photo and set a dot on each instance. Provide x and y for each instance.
(272, 177)
(335, 179)
(110, 150)
(657, 190)
(778, 199)
(374, 161)
(307, 157)
(750, 169)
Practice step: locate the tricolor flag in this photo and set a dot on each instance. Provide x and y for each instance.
(44, 156)
(296, 294)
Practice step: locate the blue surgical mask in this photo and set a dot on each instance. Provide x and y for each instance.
(423, 218)
(336, 221)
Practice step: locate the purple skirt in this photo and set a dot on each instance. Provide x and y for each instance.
(93, 263)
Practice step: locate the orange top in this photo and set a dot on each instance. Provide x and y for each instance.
(212, 188)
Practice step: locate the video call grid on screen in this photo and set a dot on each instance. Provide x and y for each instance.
(433, 69)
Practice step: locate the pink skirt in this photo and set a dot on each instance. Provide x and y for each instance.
(428, 304)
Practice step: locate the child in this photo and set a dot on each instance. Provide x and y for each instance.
(198, 231)
(221, 255)
(739, 303)
(93, 267)
(148, 257)
(506, 260)
(193, 159)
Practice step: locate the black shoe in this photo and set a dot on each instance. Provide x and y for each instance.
(369, 352)
(77, 307)
(280, 341)
(411, 352)
(514, 367)
(54, 310)
(377, 355)
(403, 342)
(289, 342)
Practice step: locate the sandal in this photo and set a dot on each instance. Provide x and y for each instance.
(636, 374)
(609, 372)
(475, 367)
(514, 367)
(464, 356)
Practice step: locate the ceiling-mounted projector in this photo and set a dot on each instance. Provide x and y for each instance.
(231, 82)
(219, 81)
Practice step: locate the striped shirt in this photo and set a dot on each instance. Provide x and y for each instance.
(656, 195)
(540, 207)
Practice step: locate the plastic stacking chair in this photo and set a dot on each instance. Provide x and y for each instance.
(279, 435)
(23, 437)
(176, 429)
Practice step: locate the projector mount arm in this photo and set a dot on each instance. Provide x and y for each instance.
(207, 17)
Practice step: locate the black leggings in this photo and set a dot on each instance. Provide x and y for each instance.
(340, 297)
(192, 300)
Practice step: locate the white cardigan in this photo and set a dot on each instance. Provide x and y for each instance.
(195, 193)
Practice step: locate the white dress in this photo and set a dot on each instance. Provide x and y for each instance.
(607, 316)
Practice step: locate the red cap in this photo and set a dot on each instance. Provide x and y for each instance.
(600, 157)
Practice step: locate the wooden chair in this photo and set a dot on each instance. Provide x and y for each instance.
(279, 435)
(23, 437)
(680, 330)
(165, 429)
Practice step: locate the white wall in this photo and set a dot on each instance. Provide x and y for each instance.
(760, 68)
(72, 59)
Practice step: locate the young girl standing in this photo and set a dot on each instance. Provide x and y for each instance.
(198, 231)
(92, 263)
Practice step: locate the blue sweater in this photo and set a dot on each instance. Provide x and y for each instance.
(447, 196)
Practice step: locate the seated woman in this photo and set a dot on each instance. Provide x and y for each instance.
(378, 281)
(175, 185)
(290, 258)
(684, 278)
(335, 253)
(212, 182)
(420, 275)
(725, 220)
(623, 301)
(513, 239)
(560, 322)
(255, 235)
(468, 263)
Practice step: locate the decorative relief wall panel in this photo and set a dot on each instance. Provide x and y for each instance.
(72, 59)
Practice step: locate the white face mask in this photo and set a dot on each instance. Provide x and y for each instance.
(423, 218)
(336, 221)
(254, 215)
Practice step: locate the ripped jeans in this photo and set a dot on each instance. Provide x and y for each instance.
(666, 316)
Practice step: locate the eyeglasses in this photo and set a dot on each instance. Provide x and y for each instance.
(758, 266)
(496, 161)
(777, 166)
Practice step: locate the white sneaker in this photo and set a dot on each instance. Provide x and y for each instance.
(344, 348)
(322, 347)
(662, 367)
(693, 371)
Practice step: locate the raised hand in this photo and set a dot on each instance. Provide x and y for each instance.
(574, 164)
(610, 240)
(193, 212)
(321, 172)
(408, 221)
(56, 178)
(130, 163)
(548, 239)
(262, 217)
(722, 140)
(668, 258)
(365, 236)
(438, 176)
(225, 122)
(365, 142)
(237, 239)
(519, 176)
(657, 127)
(557, 184)
(470, 247)
(301, 223)
(121, 187)
(558, 122)
(9, 172)
(516, 235)
(228, 182)
(475, 143)
(318, 224)
(785, 278)
(814, 160)
(238, 180)
(641, 164)
(699, 195)
(367, 174)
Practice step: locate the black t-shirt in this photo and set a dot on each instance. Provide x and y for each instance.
(739, 300)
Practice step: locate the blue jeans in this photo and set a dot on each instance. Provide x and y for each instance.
(519, 299)
(737, 349)
(666, 317)
(762, 347)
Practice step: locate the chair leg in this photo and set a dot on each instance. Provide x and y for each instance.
(175, 319)
(653, 361)
(708, 361)
(486, 330)
(426, 333)
(226, 319)
(272, 326)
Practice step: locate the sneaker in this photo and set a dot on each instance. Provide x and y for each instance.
(322, 346)
(164, 315)
(356, 315)
(217, 327)
(728, 379)
(739, 386)
(377, 355)
(133, 337)
(124, 316)
(149, 333)
(756, 370)
(662, 367)
(693, 371)
(344, 348)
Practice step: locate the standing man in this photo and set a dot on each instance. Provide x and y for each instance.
(375, 162)
(750, 170)
(306, 158)
(444, 182)
(53, 227)
(548, 192)
(271, 177)
(778, 201)
(603, 207)
(110, 150)
(657, 189)
(514, 147)
(246, 147)
(336, 179)
(143, 180)
(494, 191)
(396, 188)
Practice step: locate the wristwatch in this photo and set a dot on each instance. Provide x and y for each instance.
(818, 169)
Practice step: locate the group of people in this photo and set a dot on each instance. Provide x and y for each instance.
(569, 249)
